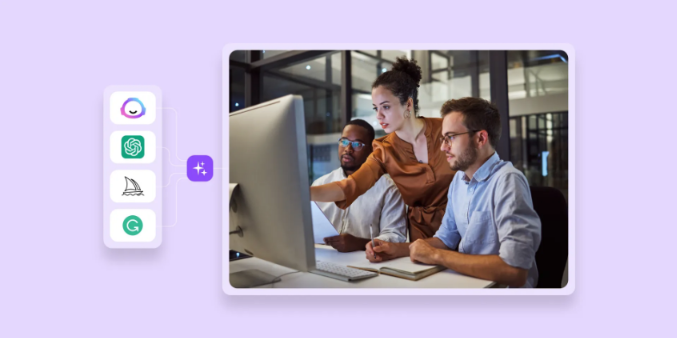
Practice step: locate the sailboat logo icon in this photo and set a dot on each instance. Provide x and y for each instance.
(132, 188)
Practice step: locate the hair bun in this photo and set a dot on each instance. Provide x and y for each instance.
(409, 67)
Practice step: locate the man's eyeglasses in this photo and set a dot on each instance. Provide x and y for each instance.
(448, 138)
(356, 145)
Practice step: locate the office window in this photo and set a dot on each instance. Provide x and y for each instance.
(366, 67)
(270, 53)
(538, 92)
(445, 75)
(451, 75)
(236, 89)
(392, 55)
(318, 81)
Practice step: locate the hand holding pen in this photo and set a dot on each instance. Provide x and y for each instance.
(371, 255)
(379, 251)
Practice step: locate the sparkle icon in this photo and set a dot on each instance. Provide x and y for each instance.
(200, 168)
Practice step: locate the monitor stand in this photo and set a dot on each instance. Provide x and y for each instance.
(251, 278)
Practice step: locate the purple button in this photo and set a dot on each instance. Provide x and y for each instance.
(200, 168)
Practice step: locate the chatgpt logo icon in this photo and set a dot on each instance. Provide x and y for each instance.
(133, 146)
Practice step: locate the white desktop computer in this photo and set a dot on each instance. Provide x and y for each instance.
(270, 216)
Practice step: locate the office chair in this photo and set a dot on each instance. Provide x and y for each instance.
(553, 252)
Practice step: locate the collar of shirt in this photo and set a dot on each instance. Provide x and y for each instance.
(485, 171)
(393, 139)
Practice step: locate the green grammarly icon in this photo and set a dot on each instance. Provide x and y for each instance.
(133, 146)
(132, 225)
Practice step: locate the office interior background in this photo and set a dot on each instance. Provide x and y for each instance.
(530, 89)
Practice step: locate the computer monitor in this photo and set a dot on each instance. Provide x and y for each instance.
(271, 204)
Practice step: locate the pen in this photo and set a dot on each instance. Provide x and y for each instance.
(371, 233)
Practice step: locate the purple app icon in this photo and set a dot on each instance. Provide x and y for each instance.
(200, 168)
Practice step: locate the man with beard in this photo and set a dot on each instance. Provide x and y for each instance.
(490, 229)
(380, 209)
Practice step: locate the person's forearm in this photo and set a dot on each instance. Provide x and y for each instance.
(401, 249)
(361, 243)
(436, 243)
(327, 193)
(489, 267)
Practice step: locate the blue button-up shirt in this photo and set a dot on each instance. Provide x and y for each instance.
(492, 214)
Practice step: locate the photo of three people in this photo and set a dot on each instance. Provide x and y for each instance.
(458, 161)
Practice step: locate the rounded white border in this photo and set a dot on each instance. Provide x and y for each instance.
(568, 48)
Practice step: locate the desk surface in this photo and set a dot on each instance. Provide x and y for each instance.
(442, 279)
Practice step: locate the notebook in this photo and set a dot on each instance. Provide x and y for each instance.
(401, 267)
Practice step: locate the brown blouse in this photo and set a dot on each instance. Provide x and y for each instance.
(423, 186)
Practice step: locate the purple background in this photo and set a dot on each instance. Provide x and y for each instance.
(58, 277)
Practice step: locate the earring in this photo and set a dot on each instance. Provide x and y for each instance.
(407, 115)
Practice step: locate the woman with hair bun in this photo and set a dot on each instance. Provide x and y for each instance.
(410, 153)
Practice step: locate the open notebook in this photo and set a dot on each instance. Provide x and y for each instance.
(401, 267)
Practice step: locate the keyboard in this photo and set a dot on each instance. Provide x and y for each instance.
(341, 272)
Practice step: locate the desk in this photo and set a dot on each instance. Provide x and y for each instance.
(442, 279)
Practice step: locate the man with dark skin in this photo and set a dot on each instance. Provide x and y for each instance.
(379, 212)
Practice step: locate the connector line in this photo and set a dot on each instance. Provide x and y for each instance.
(177, 205)
(170, 158)
(177, 131)
(170, 179)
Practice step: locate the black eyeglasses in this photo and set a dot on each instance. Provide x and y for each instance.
(356, 145)
(448, 138)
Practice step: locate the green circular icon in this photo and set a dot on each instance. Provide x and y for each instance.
(132, 225)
